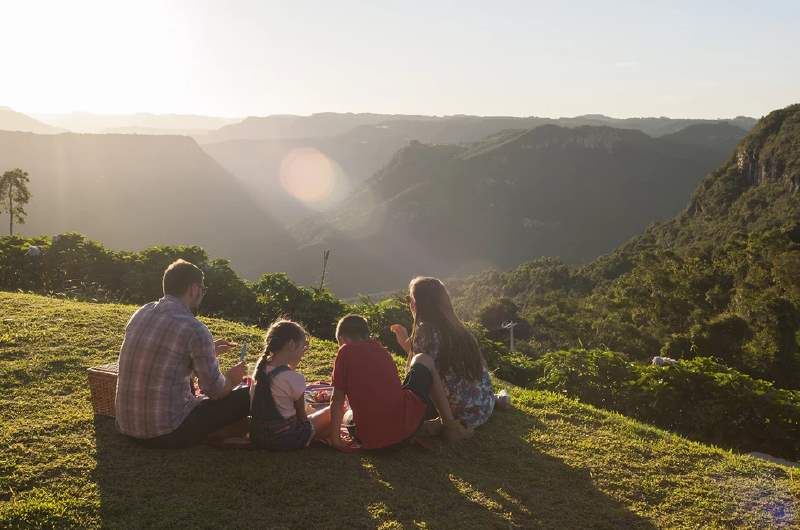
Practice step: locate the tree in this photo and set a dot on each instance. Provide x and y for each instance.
(15, 195)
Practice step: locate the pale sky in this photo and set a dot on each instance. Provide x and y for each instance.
(490, 57)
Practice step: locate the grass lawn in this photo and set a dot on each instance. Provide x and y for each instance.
(552, 462)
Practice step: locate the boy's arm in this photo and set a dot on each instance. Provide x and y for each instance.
(337, 412)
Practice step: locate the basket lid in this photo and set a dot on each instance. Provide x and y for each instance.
(112, 368)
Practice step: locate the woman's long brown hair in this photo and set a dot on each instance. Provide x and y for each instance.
(459, 352)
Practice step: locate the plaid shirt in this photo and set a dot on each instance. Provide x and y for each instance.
(164, 343)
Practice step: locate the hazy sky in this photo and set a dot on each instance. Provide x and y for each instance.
(236, 58)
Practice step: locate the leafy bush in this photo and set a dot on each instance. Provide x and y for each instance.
(381, 315)
(74, 266)
(595, 376)
(700, 398)
(738, 302)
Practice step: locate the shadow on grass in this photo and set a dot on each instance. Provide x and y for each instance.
(495, 479)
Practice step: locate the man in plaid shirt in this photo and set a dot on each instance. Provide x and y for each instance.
(164, 345)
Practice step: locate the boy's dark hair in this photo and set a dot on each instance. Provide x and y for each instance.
(353, 327)
(179, 276)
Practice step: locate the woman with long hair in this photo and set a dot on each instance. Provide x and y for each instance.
(463, 391)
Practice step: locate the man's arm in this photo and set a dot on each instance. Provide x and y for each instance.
(206, 367)
(337, 412)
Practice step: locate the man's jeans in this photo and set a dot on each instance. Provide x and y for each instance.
(207, 417)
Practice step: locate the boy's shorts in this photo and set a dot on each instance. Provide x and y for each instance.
(419, 380)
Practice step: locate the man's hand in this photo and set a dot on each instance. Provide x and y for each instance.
(222, 346)
(401, 335)
(235, 375)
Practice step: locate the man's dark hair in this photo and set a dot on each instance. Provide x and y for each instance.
(179, 276)
(353, 327)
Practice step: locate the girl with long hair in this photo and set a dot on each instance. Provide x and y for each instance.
(462, 392)
(278, 414)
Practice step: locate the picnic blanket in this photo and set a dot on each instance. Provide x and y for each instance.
(316, 396)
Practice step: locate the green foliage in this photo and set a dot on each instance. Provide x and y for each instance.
(228, 294)
(496, 312)
(596, 376)
(381, 315)
(278, 297)
(699, 398)
(73, 266)
(738, 302)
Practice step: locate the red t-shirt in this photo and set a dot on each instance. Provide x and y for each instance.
(384, 412)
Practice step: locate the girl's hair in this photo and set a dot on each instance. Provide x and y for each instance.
(278, 335)
(459, 352)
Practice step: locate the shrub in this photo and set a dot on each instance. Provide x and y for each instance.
(595, 376)
(700, 398)
(74, 266)
(704, 399)
(381, 315)
(277, 296)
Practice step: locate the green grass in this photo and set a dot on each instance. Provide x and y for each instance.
(551, 462)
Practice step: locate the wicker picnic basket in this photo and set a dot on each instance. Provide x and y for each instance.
(103, 385)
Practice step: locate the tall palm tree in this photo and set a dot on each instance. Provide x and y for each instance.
(14, 193)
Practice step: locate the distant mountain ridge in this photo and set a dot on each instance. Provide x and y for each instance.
(137, 123)
(364, 149)
(434, 129)
(11, 120)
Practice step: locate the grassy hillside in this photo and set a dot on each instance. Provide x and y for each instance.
(552, 462)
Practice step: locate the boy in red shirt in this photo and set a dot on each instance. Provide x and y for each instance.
(385, 411)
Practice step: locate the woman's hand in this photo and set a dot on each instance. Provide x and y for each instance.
(401, 335)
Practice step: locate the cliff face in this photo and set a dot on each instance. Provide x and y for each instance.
(770, 153)
(758, 171)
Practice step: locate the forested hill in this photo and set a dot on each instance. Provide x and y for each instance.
(132, 191)
(549, 191)
(720, 279)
